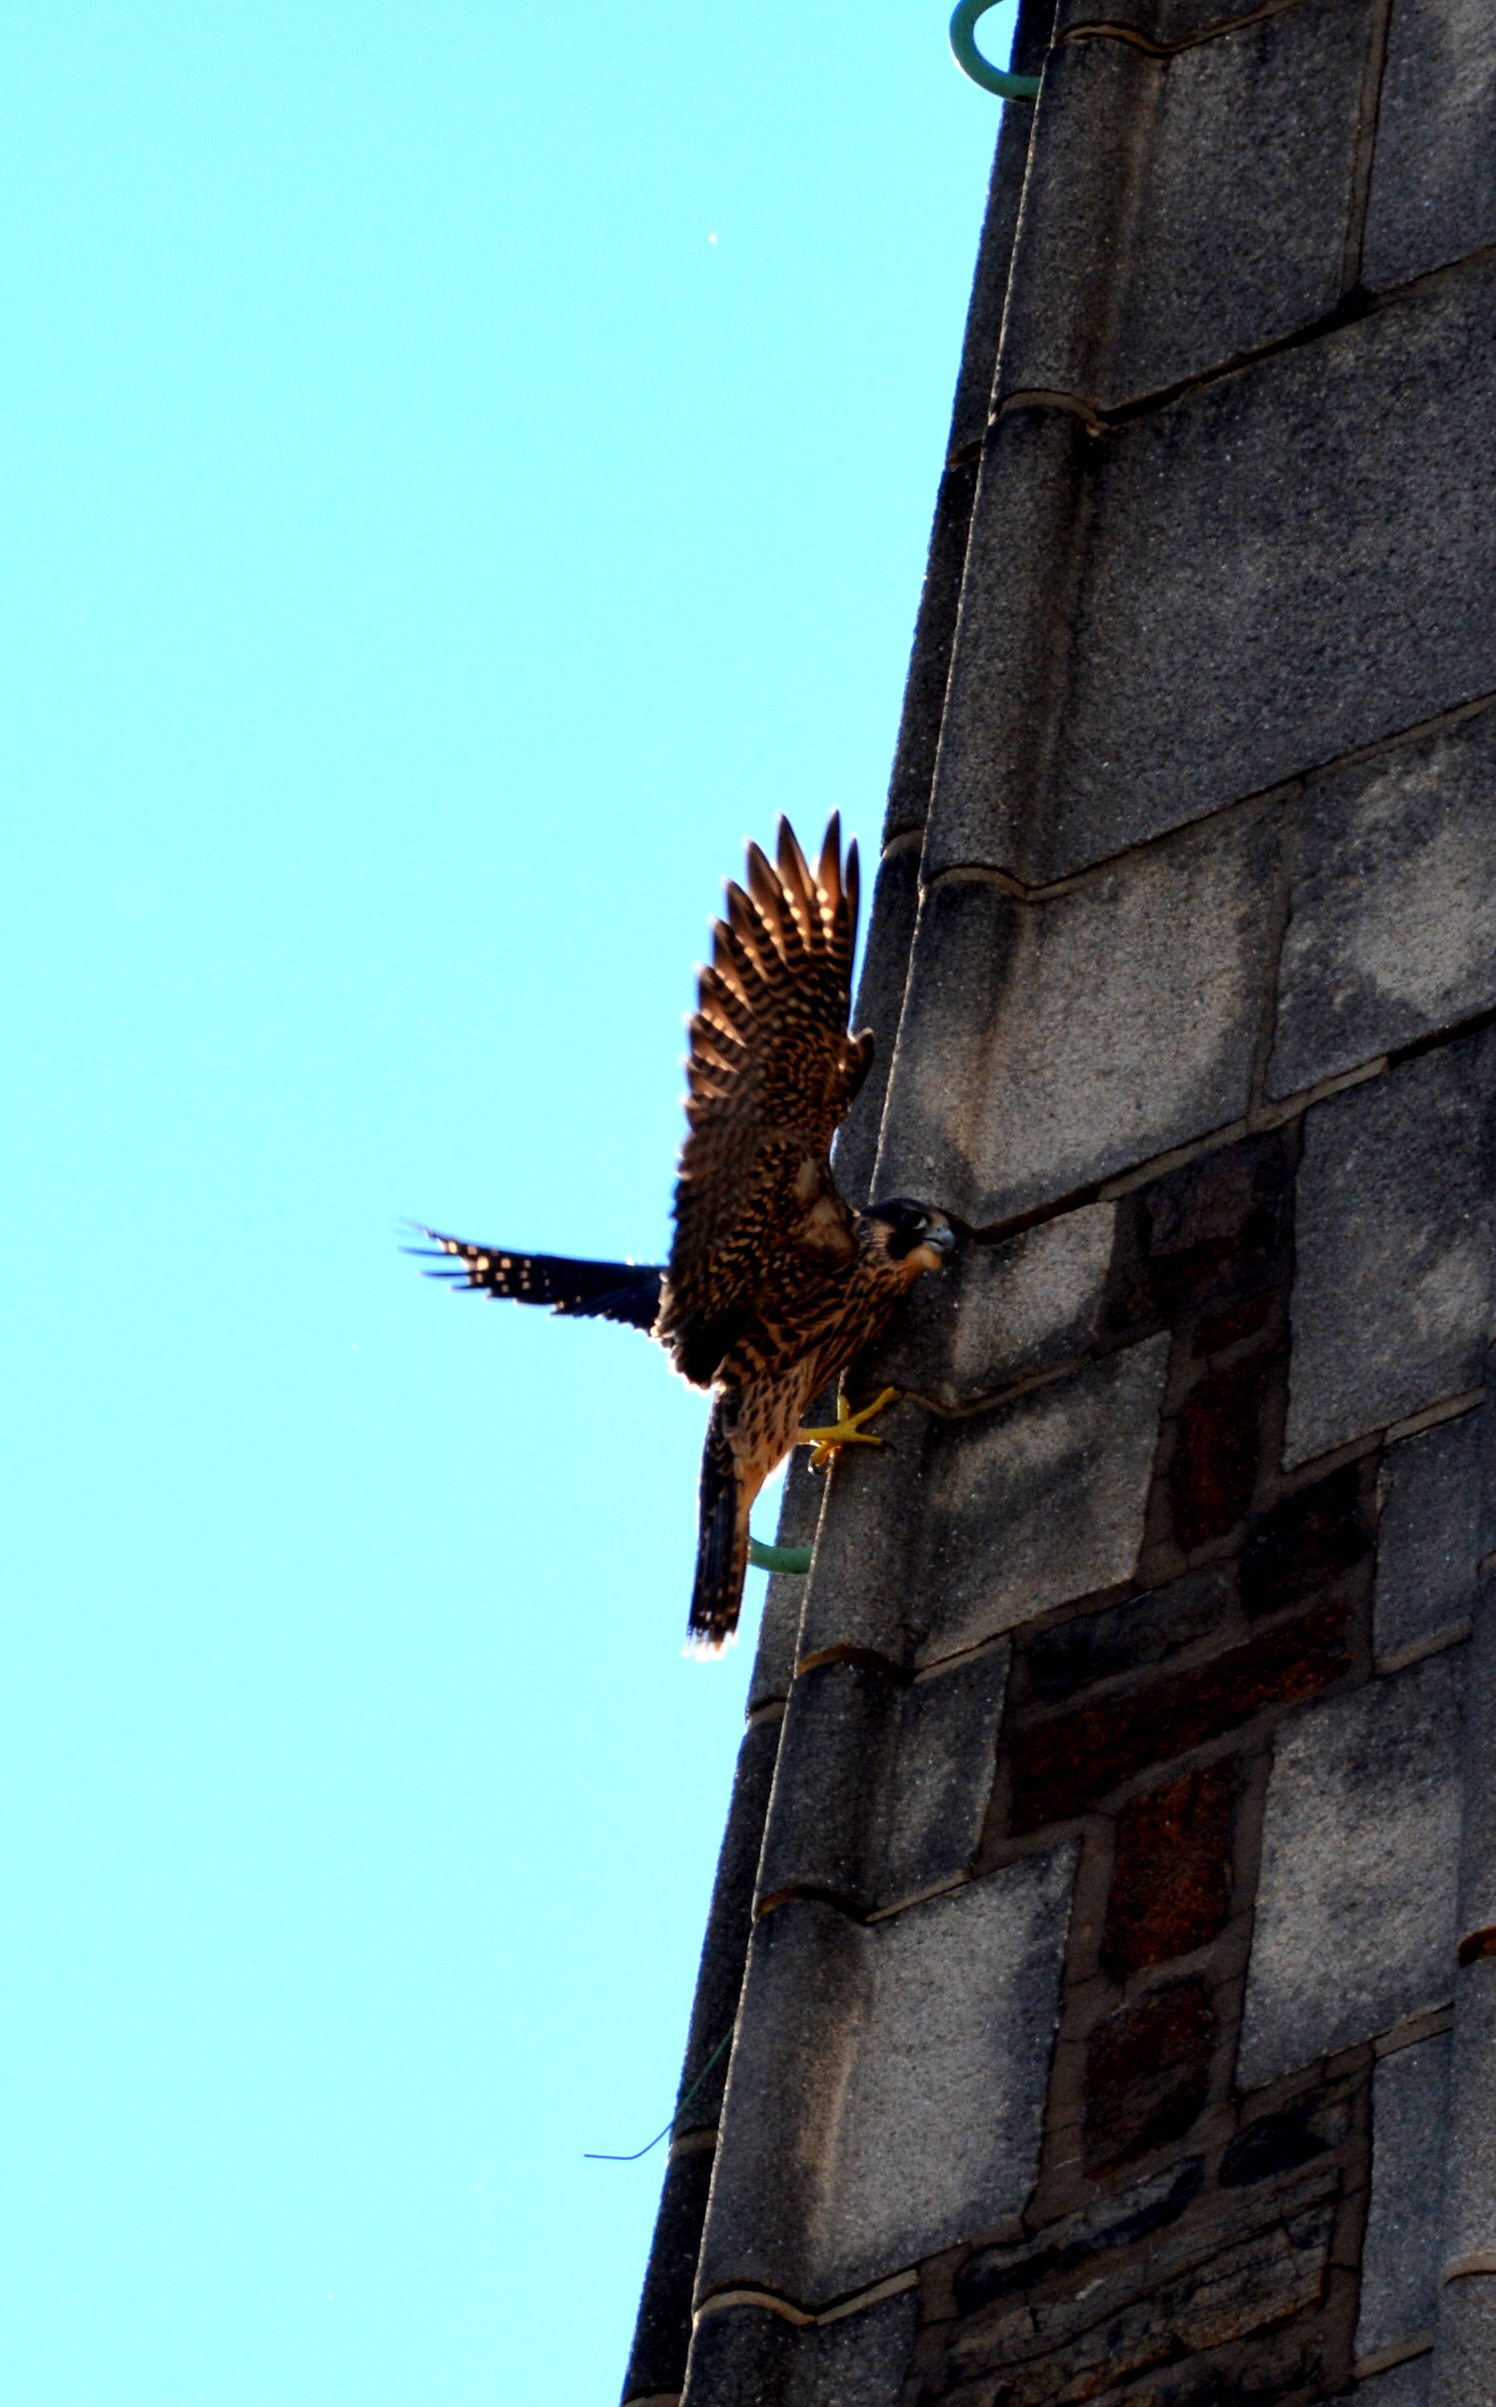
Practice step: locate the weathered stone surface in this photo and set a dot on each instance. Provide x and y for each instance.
(1470, 2188)
(1258, 2258)
(1184, 211)
(1402, 2253)
(961, 1530)
(1067, 1763)
(1046, 1046)
(1428, 1537)
(1281, 2143)
(880, 999)
(1217, 1450)
(1355, 1926)
(1211, 1237)
(973, 402)
(887, 2083)
(882, 1784)
(1165, 22)
(1407, 2385)
(784, 1598)
(1147, 2074)
(1284, 565)
(1001, 1311)
(1171, 1883)
(1127, 1637)
(1466, 2348)
(1433, 182)
(1309, 1543)
(1072, 2241)
(662, 2335)
(1392, 930)
(747, 2356)
(1396, 1219)
(724, 1950)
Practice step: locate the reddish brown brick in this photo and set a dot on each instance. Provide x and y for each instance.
(1066, 1764)
(1147, 2074)
(1171, 1889)
(1214, 1469)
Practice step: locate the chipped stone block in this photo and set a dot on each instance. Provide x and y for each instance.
(1184, 211)
(960, 1530)
(1392, 927)
(1396, 1219)
(1046, 1046)
(1401, 2257)
(1231, 626)
(747, 2356)
(1433, 180)
(1251, 2261)
(888, 2083)
(1355, 1925)
(1000, 1312)
(1428, 1536)
(1070, 1761)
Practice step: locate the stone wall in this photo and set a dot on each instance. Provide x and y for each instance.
(1106, 1923)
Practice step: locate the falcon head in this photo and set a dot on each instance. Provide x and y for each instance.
(914, 1235)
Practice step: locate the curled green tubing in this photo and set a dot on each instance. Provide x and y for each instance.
(778, 1558)
(971, 62)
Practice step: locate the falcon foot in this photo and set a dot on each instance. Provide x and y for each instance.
(847, 1430)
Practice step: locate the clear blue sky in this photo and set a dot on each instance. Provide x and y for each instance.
(465, 467)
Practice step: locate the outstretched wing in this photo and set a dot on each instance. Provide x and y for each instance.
(771, 1073)
(614, 1291)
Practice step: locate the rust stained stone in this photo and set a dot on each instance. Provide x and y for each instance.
(1214, 1469)
(1147, 2074)
(1171, 1889)
(1066, 1764)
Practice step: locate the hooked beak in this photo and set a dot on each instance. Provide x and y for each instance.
(943, 1238)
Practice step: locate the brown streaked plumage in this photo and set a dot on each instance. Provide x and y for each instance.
(775, 1282)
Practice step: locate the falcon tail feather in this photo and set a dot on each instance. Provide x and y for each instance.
(721, 1545)
(615, 1291)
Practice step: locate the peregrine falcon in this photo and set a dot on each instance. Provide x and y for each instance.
(775, 1282)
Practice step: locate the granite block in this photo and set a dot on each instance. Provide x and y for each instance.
(1477, 1911)
(1402, 2253)
(918, 739)
(1001, 1312)
(1392, 927)
(1433, 178)
(1466, 2348)
(880, 1000)
(1284, 565)
(662, 2334)
(973, 399)
(888, 2083)
(724, 1950)
(882, 1784)
(956, 1531)
(1184, 211)
(747, 2356)
(1470, 2181)
(1396, 1218)
(1428, 1535)
(1355, 1925)
(1407, 2385)
(1046, 1046)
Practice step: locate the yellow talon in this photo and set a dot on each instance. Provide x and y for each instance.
(846, 1431)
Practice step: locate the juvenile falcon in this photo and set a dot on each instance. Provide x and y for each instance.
(775, 1282)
